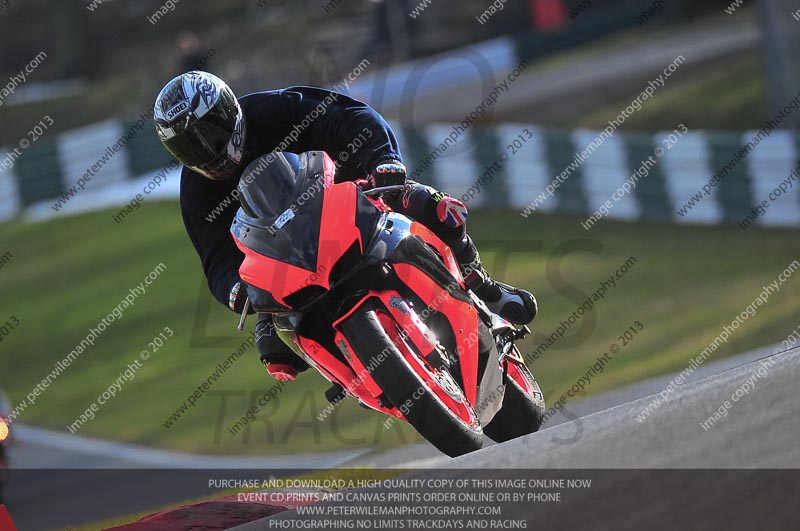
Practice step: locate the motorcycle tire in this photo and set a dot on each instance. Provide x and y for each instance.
(401, 384)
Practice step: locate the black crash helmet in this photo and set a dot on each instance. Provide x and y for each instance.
(199, 120)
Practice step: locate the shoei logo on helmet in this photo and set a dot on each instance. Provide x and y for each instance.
(176, 110)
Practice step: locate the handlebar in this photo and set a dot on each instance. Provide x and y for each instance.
(383, 189)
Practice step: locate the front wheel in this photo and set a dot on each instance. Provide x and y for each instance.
(523, 406)
(430, 400)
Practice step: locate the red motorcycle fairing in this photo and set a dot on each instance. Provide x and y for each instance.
(414, 339)
(283, 253)
(418, 332)
(405, 317)
(401, 329)
(462, 317)
(284, 257)
(336, 371)
(440, 382)
(443, 249)
(513, 363)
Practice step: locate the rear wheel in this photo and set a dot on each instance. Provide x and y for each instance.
(523, 404)
(430, 399)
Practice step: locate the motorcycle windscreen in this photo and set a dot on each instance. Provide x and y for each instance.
(281, 196)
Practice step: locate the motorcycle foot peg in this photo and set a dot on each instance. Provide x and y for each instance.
(335, 394)
(522, 332)
(385, 402)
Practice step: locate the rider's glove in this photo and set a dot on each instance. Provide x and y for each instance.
(282, 372)
(388, 174)
(363, 184)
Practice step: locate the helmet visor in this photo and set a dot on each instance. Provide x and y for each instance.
(197, 142)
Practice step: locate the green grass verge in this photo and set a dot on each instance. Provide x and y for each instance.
(67, 274)
(727, 95)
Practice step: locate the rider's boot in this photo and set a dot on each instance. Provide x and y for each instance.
(515, 305)
(281, 361)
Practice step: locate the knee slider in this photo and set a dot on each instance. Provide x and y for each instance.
(451, 212)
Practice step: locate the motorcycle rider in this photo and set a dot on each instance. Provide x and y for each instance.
(215, 136)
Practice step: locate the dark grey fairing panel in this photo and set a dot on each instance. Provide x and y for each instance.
(282, 196)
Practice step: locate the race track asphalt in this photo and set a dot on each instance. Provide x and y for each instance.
(662, 471)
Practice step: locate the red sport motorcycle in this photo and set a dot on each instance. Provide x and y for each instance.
(376, 303)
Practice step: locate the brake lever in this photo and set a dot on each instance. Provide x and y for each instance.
(383, 189)
(244, 313)
(522, 332)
